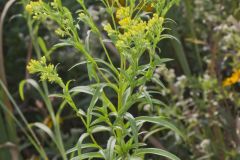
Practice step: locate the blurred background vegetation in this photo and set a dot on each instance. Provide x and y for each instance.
(207, 51)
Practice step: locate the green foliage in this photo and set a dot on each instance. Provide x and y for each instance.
(207, 110)
(119, 100)
(132, 37)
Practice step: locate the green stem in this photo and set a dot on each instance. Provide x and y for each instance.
(120, 85)
(105, 50)
(57, 131)
(119, 120)
(73, 105)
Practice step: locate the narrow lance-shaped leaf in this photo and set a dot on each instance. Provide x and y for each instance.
(95, 97)
(156, 151)
(110, 148)
(159, 121)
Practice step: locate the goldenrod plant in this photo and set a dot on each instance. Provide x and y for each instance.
(119, 79)
(135, 31)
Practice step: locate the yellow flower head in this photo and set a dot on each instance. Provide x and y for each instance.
(227, 82)
(108, 28)
(154, 21)
(123, 12)
(34, 65)
(235, 77)
(47, 72)
(34, 7)
(29, 8)
(125, 22)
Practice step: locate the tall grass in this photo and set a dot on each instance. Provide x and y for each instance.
(7, 129)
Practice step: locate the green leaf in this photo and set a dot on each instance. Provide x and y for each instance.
(110, 74)
(158, 102)
(110, 148)
(159, 121)
(78, 64)
(82, 89)
(42, 46)
(96, 96)
(148, 98)
(132, 100)
(156, 151)
(87, 39)
(44, 128)
(151, 133)
(89, 155)
(90, 90)
(134, 127)
(80, 142)
(92, 71)
(159, 61)
(157, 81)
(32, 83)
(94, 129)
(83, 146)
(99, 128)
(126, 96)
(112, 68)
(98, 120)
(70, 101)
(115, 71)
(56, 46)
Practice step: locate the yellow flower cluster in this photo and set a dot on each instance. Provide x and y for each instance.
(47, 72)
(108, 28)
(136, 29)
(124, 16)
(134, 35)
(33, 6)
(60, 32)
(123, 12)
(125, 22)
(29, 8)
(33, 65)
(235, 77)
(133, 27)
(155, 21)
